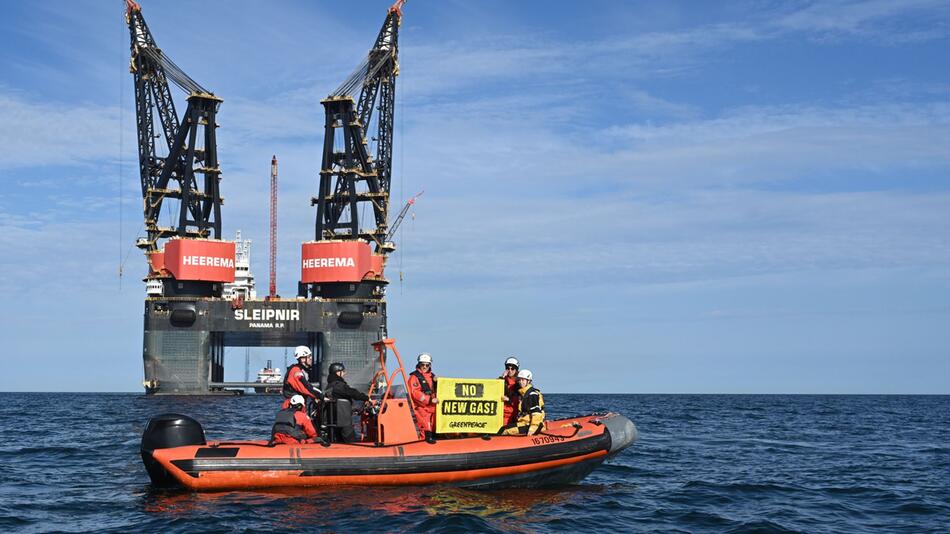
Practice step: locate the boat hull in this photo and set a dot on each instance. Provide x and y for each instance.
(564, 454)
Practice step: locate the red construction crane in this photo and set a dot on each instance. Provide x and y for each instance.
(273, 227)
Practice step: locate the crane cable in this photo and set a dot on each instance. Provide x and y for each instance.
(123, 252)
(401, 104)
(121, 146)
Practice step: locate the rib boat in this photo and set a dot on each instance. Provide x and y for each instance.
(393, 453)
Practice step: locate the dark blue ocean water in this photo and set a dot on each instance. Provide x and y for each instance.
(704, 463)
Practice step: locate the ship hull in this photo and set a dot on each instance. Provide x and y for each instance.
(184, 339)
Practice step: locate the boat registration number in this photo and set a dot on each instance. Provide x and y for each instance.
(547, 439)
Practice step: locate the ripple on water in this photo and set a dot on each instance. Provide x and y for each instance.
(726, 463)
(758, 526)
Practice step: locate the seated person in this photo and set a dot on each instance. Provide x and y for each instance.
(338, 389)
(293, 426)
(531, 409)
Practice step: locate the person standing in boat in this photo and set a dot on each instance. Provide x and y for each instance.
(531, 411)
(511, 397)
(338, 389)
(422, 390)
(297, 379)
(293, 426)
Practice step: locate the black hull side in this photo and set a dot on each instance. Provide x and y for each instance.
(225, 459)
(554, 477)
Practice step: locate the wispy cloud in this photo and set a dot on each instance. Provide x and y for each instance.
(619, 241)
(780, 143)
(36, 134)
(557, 159)
(879, 20)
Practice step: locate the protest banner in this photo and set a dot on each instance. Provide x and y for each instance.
(469, 405)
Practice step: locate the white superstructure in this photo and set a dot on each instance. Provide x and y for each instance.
(243, 285)
(270, 379)
(153, 287)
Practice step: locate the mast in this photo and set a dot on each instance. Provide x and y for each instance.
(273, 227)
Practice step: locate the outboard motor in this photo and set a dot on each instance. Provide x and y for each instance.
(163, 432)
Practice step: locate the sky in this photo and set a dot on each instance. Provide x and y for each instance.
(632, 197)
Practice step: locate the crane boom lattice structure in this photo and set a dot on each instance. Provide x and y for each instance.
(272, 293)
(344, 263)
(200, 294)
(350, 175)
(402, 215)
(185, 165)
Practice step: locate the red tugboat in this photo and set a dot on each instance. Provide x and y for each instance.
(393, 452)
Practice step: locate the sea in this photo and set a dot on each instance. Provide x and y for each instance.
(703, 463)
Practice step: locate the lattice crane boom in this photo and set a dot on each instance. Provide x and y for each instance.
(401, 216)
(350, 176)
(272, 286)
(185, 167)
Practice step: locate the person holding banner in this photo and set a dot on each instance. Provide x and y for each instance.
(511, 396)
(422, 390)
(531, 412)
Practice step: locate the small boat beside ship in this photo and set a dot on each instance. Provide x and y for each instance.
(564, 454)
(393, 452)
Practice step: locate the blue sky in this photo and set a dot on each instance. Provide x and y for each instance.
(745, 197)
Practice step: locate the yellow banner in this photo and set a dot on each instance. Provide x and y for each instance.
(469, 405)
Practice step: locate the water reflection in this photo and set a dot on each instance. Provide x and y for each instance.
(297, 508)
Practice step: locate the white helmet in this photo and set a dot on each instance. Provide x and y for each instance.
(524, 373)
(424, 358)
(297, 400)
(512, 361)
(302, 352)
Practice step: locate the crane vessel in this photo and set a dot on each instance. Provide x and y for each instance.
(192, 311)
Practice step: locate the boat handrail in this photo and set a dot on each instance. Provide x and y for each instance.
(381, 347)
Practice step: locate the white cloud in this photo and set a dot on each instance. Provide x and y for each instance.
(530, 190)
(875, 19)
(618, 240)
(769, 144)
(650, 104)
(36, 134)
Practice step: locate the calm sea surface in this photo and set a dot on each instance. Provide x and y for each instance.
(704, 463)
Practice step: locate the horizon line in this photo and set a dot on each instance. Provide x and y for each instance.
(548, 393)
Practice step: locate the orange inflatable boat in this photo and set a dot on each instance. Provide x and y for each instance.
(176, 453)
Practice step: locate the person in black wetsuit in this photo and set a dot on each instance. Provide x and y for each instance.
(337, 388)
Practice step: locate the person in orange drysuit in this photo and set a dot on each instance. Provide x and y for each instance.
(293, 426)
(422, 391)
(297, 379)
(511, 397)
